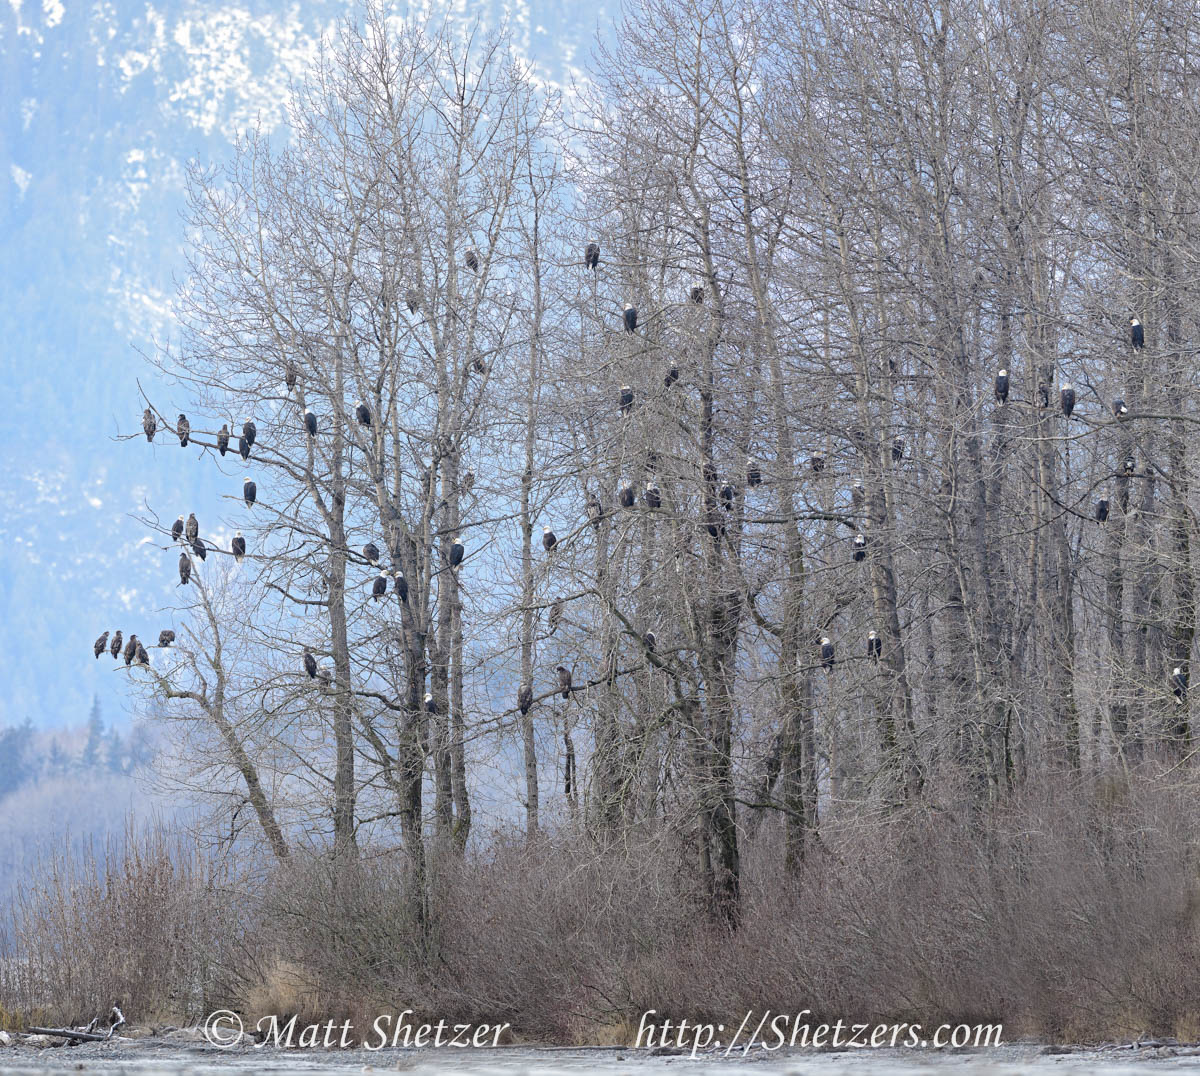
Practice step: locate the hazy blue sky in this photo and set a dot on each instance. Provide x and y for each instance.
(104, 102)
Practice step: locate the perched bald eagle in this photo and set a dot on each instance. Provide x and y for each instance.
(898, 450)
(549, 538)
(554, 617)
(100, 644)
(652, 496)
(310, 665)
(1043, 392)
(325, 675)
(591, 259)
(626, 399)
(379, 587)
(1179, 685)
(131, 649)
(625, 496)
(401, 586)
(525, 699)
(1067, 398)
(185, 569)
(149, 424)
(177, 529)
(1119, 408)
(564, 680)
(192, 530)
(184, 429)
(249, 431)
(697, 293)
(817, 463)
(727, 495)
(243, 449)
(371, 552)
(827, 658)
(858, 494)
(412, 300)
(238, 546)
(630, 318)
(289, 375)
(199, 549)
(860, 546)
(1137, 335)
(310, 422)
(1001, 387)
(249, 491)
(363, 413)
(141, 656)
(671, 376)
(1102, 508)
(594, 512)
(753, 474)
(456, 552)
(874, 646)
(651, 641)
(223, 438)
(1129, 466)
(115, 646)
(472, 259)
(166, 637)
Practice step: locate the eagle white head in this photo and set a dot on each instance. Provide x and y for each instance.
(1134, 321)
(1066, 386)
(1178, 671)
(428, 696)
(398, 574)
(546, 529)
(1004, 373)
(871, 635)
(629, 306)
(824, 640)
(237, 534)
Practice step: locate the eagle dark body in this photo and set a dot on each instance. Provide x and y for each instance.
(149, 424)
(115, 646)
(223, 439)
(184, 429)
(591, 258)
(166, 637)
(525, 699)
(192, 529)
(100, 645)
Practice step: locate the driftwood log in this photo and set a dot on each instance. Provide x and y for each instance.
(116, 1019)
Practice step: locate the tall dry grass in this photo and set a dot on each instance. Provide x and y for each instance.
(1070, 913)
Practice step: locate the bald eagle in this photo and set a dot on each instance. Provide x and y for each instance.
(199, 549)
(860, 546)
(472, 259)
(310, 422)
(697, 293)
(1043, 392)
(379, 587)
(185, 569)
(238, 546)
(549, 538)
(131, 649)
(1067, 398)
(1001, 387)
(371, 552)
(249, 491)
(149, 424)
(827, 658)
(858, 494)
(626, 399)
(1129, 466)
(243, 448)
(525, 699)
(192, 530)
(874, 646)
(1119, 409)
(898, 450)
(652, 496)
(1179, 685)
(727, 496)
(412, 300)
(177, 529)
(184, 429)
(100, 644)
(290, 375)
(671, 376)
(625, 496)
(456, 552)
(249, 431)
(591, 259)
(363, 413)
(325, 675)
(753, 474)
(115, 647)
(1102, 508)
(817, 463)
(141, 656)
(564, 680)
(650, 640)
(1137, 335)
(594, 512)
(223, 438)
(401, 586)
(630, 318)
(166, 637)
(310, 665)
